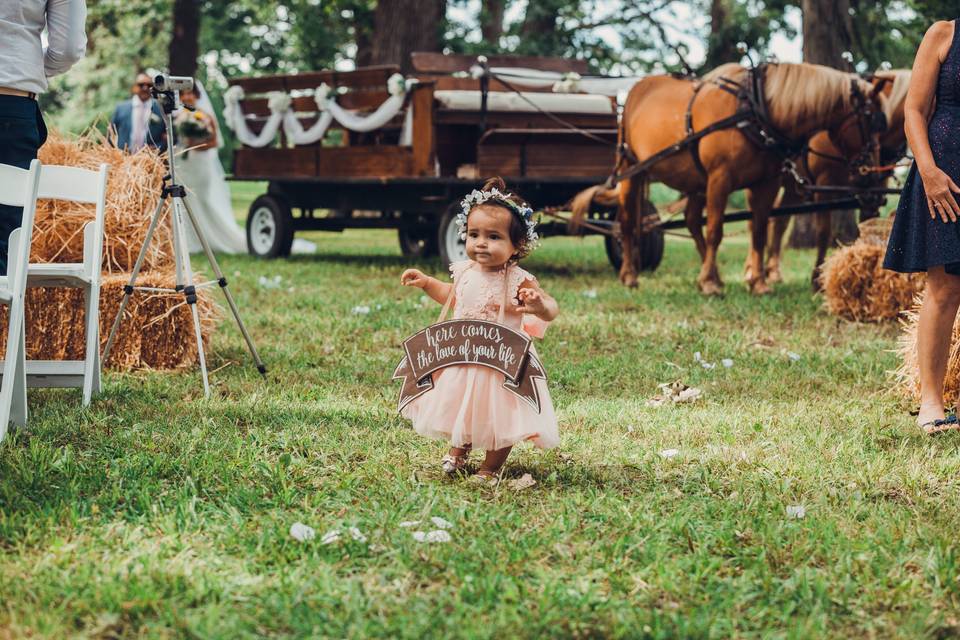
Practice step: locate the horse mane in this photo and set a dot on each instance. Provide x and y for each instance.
(898, 92)
(797, 91)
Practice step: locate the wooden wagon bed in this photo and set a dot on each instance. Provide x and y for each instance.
(454, 145)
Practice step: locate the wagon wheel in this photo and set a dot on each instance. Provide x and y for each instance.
(452, 248)
(269, 227)
(417, 242)
(648, 246)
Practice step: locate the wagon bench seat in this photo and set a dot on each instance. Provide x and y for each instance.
(526, 102)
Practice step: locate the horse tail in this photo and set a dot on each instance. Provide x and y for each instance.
(583, 202)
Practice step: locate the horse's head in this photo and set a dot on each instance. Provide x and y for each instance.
(857, 133)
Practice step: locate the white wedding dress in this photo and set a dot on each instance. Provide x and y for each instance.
(208, 195)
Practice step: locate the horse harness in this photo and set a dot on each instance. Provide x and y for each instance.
(752, 119)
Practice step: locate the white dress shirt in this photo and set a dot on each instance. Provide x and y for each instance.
(24, 63)
(140, 122)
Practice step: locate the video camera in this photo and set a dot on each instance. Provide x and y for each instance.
(164, 83)
(166, 90)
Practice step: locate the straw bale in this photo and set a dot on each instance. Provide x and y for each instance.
(858, 288)
(157, 332)
(876, 230)
(133, 189)
(908, 374)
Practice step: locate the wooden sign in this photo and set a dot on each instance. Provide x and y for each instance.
(475, 342)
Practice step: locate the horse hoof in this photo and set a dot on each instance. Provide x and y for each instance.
(628, 279)
(774, 276)
(711, 288)
(760, 288)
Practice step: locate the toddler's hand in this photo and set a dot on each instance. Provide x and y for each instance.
(414, 278)
(531, 301)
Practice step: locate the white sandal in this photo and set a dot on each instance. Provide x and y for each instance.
(451, 464)
(486, 478)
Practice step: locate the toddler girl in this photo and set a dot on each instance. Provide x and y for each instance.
(468, 406)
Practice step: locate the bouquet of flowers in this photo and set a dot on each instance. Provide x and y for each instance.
(193, 128)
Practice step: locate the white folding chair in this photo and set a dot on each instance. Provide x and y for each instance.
(18, 188)
(76, 185)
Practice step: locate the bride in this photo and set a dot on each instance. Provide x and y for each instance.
(199, 168)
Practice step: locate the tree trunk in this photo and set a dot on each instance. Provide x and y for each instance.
(491, 21)
(722, 42)
(184, 44)
(826, 35)
(401, 27)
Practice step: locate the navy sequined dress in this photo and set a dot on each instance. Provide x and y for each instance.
(918, 241)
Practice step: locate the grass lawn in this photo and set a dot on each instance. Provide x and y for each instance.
(157, 514)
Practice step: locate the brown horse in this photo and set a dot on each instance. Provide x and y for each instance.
(799, 98)
(825, 165)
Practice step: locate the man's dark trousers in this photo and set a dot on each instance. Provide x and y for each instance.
(22, 131)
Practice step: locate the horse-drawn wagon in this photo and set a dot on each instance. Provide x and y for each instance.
(393, 152)
(422, 142)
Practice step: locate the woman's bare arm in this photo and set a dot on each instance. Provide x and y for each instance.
(918, 107)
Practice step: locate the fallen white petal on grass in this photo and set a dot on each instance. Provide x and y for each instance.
(523, 482)
(356, 534)
(669, 453)
(331, 536)
(727, 363)
(440, 523)
(301, 532)
(590, 293)
(269, 283)
(793, 356)
(697, 356)
(674, 392)
(406, 524)
(708, 365)
(796, 511)
(361, 310)
(437, 535)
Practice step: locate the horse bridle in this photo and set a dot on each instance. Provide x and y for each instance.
(871, 122)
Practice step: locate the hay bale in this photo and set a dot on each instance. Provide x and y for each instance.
(157, 332)
(133, 189)
(908, 375)
(858, 288)
(876, 230)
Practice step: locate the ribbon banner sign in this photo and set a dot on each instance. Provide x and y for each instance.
(477, 342)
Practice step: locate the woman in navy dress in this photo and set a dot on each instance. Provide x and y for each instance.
(926, 231)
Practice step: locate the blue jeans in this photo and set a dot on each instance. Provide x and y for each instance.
(22, 131)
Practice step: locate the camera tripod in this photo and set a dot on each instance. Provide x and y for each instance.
(174, 195)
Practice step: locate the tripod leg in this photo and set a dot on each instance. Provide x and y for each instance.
(222, 281)
(189, 290)
(128, 290)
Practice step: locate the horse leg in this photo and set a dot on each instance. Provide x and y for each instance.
(760, 200)
(776, 230)
(822, 226)
(629, 218)
(693, 214)
(718, 190)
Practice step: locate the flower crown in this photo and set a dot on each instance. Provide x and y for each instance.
(477, 197)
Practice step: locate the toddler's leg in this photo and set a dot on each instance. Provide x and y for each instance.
(494, 461)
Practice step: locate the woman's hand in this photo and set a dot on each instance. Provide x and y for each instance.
(940, 188)
(414, 278)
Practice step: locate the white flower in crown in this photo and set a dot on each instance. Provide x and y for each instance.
(278, 102)
(477, 197)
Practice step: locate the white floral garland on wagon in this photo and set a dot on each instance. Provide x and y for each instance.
(325, 96)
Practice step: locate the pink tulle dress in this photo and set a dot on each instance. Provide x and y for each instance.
(468, 404)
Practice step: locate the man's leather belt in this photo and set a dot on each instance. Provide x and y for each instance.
(7, 91)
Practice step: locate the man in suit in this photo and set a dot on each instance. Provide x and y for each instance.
(138, 122)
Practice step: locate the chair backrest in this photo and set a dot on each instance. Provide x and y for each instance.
(80, 185)
(19, 188)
